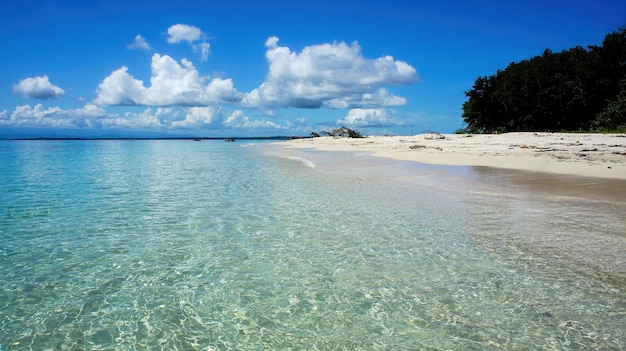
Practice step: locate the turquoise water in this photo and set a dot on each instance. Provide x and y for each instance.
(181, 245)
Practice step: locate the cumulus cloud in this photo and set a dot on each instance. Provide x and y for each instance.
(160, 119)
(380, 98)
(120, 88)
(378, 117)
(56, 117)
(171, 84)
(198, 117)
(182, 32)
(237, 119)
(88, 116)
(139, 43)
(333, 75)
(37, 88)
(145, 119)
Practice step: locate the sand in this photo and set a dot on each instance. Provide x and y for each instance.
(589, 155)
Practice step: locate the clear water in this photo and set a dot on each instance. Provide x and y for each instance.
(181, 245)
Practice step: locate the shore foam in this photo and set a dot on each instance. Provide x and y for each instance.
(589, 155)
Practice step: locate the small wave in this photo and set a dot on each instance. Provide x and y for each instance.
(306, 162)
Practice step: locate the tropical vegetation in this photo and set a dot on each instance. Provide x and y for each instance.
(574, 90)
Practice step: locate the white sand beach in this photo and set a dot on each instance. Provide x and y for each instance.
(590, 155)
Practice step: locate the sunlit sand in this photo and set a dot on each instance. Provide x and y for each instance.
(590, 155)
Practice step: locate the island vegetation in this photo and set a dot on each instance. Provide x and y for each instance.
(574, 90)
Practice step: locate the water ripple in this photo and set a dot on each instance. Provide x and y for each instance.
(147, 245)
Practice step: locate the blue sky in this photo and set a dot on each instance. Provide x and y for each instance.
(264, 68)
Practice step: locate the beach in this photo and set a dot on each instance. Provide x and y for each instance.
(583, 173)
(588, 155)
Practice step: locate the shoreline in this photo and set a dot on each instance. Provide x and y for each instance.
(534, 180)
(586, 155)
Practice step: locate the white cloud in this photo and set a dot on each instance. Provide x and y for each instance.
(56, 117)
(237, 119)
(171, 84)
(38, 88)
(378, 117)
(331, 75)
(203, 49)
(197, 117)
(88, 116)
(327, 75)
(26, 112)
(89, 110)
(182, 32)
(139, 43)
(167, 111)
(144, 119)
(380, 98)
(91, 117)
(120, 88)
(272, 42)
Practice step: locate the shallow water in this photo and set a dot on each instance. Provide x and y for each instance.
(180, 245)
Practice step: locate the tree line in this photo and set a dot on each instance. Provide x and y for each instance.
(573, 90)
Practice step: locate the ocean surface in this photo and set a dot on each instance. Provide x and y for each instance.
(183, 245)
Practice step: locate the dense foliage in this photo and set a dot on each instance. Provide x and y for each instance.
(576, 89)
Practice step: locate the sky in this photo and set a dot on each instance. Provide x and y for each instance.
(267, 68)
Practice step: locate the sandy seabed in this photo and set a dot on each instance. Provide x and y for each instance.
(570, 171)
(588, 155)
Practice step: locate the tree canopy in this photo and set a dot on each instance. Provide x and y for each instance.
(576, 89)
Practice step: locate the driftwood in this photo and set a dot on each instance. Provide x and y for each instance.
(434, 135)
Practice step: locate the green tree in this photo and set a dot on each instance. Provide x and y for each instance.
(553, 91)
(613, 116)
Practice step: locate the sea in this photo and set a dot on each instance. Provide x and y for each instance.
(249, 245)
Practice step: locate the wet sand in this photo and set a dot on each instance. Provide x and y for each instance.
(592, 239)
